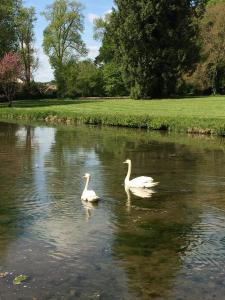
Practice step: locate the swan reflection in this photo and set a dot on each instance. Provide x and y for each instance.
(138, 192)
(89, 206)
(142, 192)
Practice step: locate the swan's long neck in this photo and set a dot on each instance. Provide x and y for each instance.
(127, 179)
(86, 185)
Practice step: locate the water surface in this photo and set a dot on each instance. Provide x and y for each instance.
(168, 246)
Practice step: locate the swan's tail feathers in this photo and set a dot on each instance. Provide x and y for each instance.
(152, 184)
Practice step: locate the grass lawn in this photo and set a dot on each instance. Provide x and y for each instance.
(194, 115)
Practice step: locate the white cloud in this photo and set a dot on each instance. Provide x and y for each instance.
(108, 12)
(92, 17)
(44, 72)
(93, 51)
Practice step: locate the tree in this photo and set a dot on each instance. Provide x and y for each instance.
(89, 81)
(25, 20)
(114, 84)
(62, 37)
(156, 42)
(10, 72)
(8, 39)
(212, 32)
(70, 72)
(113, 81)
(199, 7)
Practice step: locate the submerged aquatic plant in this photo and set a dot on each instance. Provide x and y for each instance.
(20, 279)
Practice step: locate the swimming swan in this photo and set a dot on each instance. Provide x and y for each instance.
(88, 195)
(139, 182)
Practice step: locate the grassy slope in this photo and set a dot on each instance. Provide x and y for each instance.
(200, 115)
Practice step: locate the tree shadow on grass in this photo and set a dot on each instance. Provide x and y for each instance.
(48, 102)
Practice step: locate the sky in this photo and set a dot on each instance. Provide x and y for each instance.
(92, 9)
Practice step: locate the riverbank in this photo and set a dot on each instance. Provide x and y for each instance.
(204, 115)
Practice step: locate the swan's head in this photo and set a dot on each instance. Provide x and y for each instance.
(127, 161)
(86, 175)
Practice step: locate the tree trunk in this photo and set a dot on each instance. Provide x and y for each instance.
(214, 83)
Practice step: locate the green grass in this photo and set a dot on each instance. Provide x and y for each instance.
(204, 115)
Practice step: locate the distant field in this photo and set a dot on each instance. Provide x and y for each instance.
(195, 115)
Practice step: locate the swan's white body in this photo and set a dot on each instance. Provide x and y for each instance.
(88, 195)
(138, 182)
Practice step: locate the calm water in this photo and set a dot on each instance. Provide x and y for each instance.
(168, 246)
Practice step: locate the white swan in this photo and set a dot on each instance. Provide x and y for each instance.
(138, 182)
(88, 195)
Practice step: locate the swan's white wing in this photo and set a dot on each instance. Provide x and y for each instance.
(142, 181)
(141, 192)
(89, 196)
(92, 194)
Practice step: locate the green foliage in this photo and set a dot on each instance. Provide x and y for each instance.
(153, 41)
(114, 84)
(62, 37)
(20, 279)
(136, 91)
(86, 79)
(214, 2)
(25, 20)
(113, 81)
(104, 31)
(100, 26)
(70, 74)
(82, 78)
(89, 79)
(209, 74)
(17, 33)
(8, 39)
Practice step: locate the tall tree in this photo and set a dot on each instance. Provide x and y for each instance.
(8, 39)
(25, 21)
(114, 84)
(156, 42)
(62, 37)
(211, 70)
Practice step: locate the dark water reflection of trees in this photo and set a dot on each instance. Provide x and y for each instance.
(15, 159)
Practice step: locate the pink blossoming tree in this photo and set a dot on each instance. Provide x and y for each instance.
(10, 73)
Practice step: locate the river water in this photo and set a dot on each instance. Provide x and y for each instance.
(170, 245)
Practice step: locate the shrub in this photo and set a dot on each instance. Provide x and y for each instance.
(10, 74)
